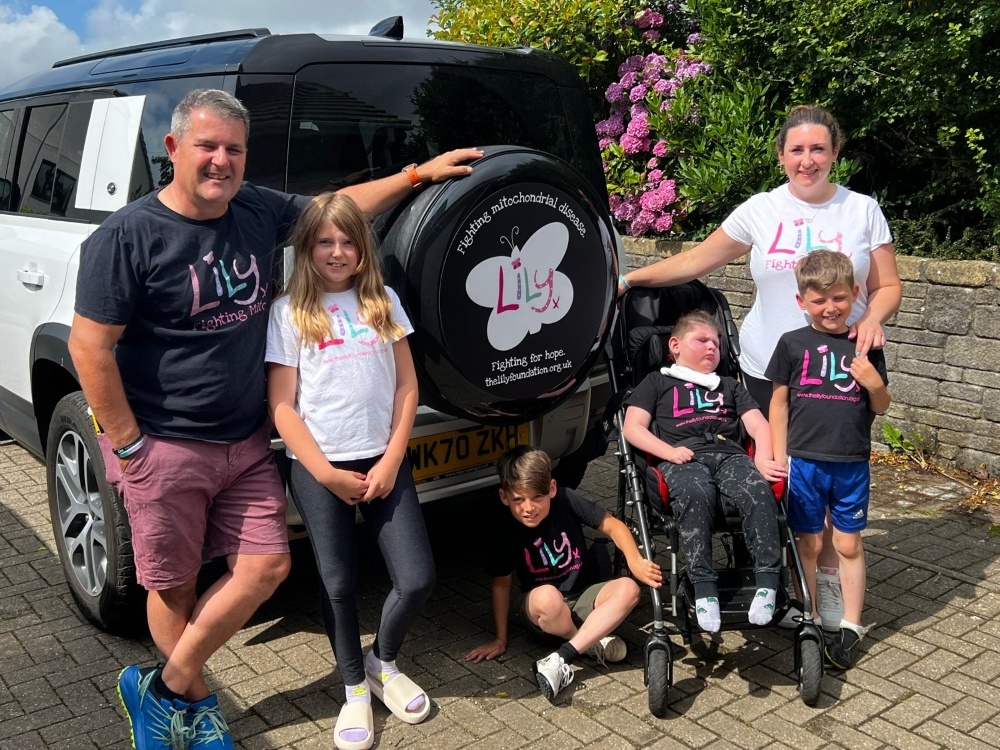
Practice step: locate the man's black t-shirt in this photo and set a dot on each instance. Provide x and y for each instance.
(193, 297)
(554, 552)
(690, 415)
(829, 416)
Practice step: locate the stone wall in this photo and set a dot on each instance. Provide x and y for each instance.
(943, 350)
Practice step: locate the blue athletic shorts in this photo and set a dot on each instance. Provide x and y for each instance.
(814, 486)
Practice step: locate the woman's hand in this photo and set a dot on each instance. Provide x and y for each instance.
(487, 651)
(867, 333)
(349, 486)
(381, 479)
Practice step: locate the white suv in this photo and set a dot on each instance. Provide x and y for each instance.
(508, 275)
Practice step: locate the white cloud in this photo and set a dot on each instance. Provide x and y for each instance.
(34, 40)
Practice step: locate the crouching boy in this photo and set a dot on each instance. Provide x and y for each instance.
(561, 595)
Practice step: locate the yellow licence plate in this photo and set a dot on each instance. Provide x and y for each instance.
(433, 456)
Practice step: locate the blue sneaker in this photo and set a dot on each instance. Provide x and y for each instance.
(209, 730)
(156, 723)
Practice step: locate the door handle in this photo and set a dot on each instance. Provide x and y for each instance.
(31, 277)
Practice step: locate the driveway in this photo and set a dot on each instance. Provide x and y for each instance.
(929, 677)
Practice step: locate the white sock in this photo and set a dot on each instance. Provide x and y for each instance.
(707, 610)
(762, 607)
(385, 670)
(358, 693)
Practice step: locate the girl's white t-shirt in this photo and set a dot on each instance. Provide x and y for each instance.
(346, 384)
(782, 229)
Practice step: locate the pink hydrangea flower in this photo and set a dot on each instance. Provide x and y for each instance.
(660, 149)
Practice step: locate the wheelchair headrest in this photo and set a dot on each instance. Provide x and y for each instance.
(648, 350)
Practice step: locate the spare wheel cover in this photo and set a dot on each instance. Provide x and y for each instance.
(508, 278)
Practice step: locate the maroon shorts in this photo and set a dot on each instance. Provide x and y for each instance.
(183, 496)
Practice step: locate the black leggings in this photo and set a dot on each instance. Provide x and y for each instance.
(695, 489)
(397, 524)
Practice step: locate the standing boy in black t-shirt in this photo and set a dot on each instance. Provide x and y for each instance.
(543, 539)
(697, 416)
(825, 398)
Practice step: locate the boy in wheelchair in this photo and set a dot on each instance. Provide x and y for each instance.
(696, 418)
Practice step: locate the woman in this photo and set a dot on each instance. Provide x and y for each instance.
(777, 228)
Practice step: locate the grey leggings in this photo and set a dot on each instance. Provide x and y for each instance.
(695, 489)
(397, 524)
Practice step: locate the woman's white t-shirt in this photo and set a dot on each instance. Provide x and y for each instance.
(782, 229)
(346, 384)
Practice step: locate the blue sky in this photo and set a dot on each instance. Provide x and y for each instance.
(35, 33)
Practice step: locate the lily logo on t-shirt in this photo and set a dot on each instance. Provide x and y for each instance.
(697, 400)
(343, 325)
(803, 232)
(558, 556)
(823, 368)
(236, 287)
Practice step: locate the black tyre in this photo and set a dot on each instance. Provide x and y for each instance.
(658, 671)
(89, 523)
(508, 276)
(810, 670)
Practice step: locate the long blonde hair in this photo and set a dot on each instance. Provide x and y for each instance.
(306, 288)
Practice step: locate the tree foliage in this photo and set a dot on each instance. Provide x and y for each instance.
(596, 36)
(914, 83)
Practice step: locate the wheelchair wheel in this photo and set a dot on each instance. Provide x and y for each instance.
(810, 670)
(658, 671)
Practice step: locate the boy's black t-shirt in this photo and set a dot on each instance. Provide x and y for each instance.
(554, 552)
(690, 415)
(829, 415)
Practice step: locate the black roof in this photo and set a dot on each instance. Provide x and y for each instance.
(258, 51)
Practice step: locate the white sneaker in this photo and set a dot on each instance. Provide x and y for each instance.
(831, 601)
(552, 675)
(610, 649)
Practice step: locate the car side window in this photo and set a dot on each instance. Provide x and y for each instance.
(36, 173)
(7, 190)
(68, 166)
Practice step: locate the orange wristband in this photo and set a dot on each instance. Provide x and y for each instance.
(410, 170)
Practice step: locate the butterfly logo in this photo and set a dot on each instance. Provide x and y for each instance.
(524, 291)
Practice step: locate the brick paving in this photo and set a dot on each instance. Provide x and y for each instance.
(929, 678)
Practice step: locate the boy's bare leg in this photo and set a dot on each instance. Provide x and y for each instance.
(828, 556)
(809, 546)
(852, 573)
(547, 608)
(212, 620)
(612, 605)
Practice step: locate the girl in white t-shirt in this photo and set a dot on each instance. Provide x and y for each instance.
(343, 395)
(777, 228)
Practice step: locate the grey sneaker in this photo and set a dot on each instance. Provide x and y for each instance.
(610, 649)
(831, 601)
(552, 675)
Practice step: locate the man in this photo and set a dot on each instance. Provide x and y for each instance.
(168, 339)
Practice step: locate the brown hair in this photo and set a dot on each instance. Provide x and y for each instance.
(811, 114)
(525, 467)
(822, 270)
(305, 287)
(688, 321)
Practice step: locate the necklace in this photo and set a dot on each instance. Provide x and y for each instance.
(798, 204)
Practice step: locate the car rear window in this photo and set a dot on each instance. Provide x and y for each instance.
(351, 123)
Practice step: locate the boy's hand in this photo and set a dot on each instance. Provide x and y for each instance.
(646, 571)
(487, 651)
(865, 373)
(771, 470)
(680, 455)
